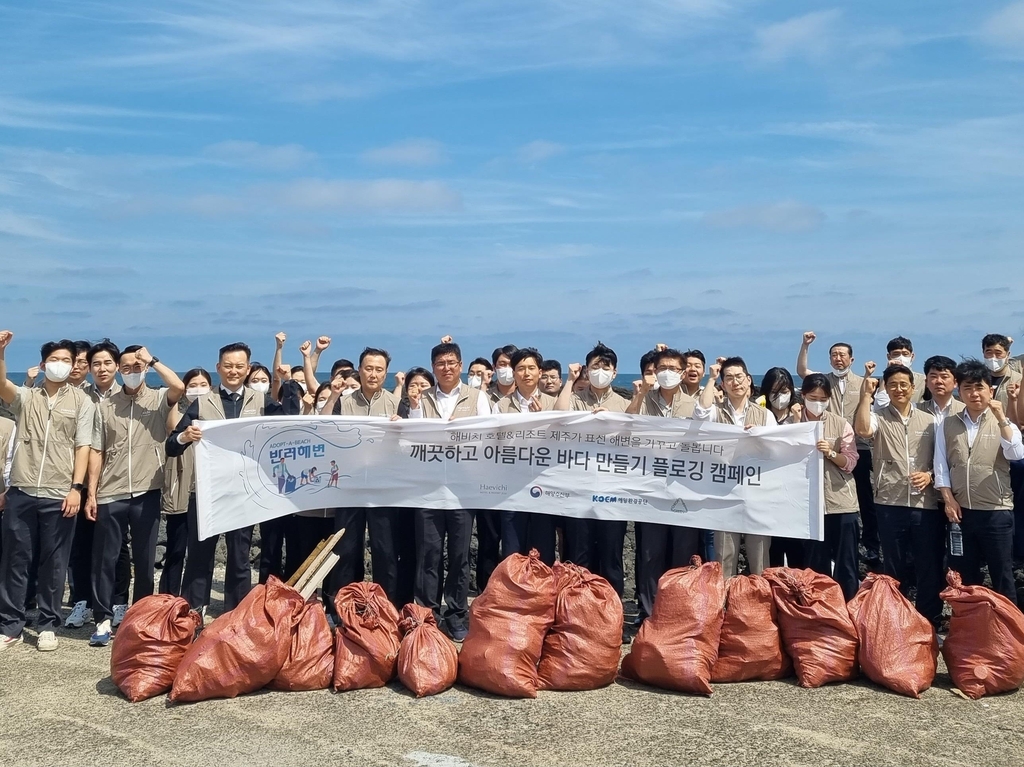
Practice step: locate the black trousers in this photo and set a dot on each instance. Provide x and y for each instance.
(80, 566)
(988, 539)
(200, 561)
(788, 552)
(433, 527)
(302, 535)
(913, 546)
(866, 502)
(663, 547)
(140, 516)
(540, 534)
(1017, 485)
(174, 554)
(350, 549)
(392, 535)
(273, 534)
(488, 545)
(28, 522)
(840, 547)
(597, 544)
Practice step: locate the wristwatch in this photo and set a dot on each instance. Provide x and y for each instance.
(154, 360)
(1004, 423)
(78, 486)
(832, 454)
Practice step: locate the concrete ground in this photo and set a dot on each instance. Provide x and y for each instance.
(62, 708)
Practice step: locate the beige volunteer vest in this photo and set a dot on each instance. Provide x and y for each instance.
(753, 415)
(510, 404)
(383, 405)
(840, 487)
(900, 450)
(134, 430)
(979, 475)
(6, 432)
(44, 456)
(587, 401)
(682, 404)
(465, 406)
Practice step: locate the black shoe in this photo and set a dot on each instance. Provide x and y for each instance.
(458, 634)
(627, 636)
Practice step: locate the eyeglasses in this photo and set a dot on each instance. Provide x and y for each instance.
(663, 369)
(734, 379)
(447, 364)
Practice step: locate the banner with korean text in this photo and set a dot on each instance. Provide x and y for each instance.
(597, 465)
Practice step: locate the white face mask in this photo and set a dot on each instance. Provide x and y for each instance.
(815, 407)
(195, 392)
(347, 392)
(600, 378)
(261, 386)
(320, 405)
(669, 379)
(840, 373)
(475, 382)
(132, 380)
(301, 386)
(995, 364)
(781, 401)
(504, 376)
(901, 360)
(882, 398)
(57, 372)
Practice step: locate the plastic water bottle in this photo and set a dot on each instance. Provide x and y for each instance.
(956, 540)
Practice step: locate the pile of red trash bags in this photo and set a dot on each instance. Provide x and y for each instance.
(540, 628)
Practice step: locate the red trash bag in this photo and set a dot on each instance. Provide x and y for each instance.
(751, 645)
(984, 650)
(367, 639)
(582, 649)
(507, 625)
(153, 638)
(428, 661)
(898, 646)
(310, 662)
(244, 649)
(677, 647)
(816, 627)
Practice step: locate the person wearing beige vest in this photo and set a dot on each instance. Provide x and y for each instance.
(6, 455)
(54, 425)
(126, 472)
(910, 524)
(973, 450)
(596, 544)
(940, 380)
(845, 397)
(836, 556)
(232, 399)
(738, 410)
(448, 400)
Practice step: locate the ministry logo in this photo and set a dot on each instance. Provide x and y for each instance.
(536, 491)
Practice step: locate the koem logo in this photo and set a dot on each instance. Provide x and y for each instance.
(536, 491)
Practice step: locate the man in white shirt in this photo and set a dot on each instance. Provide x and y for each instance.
(448, 400)
(973, 451)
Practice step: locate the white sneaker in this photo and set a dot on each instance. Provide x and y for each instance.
(119, 611)
(47, 641)
(80, 615)
(6, 641)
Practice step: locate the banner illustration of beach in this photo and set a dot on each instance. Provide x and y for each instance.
(601, 466)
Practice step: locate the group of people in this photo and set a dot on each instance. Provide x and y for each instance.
(912, 460)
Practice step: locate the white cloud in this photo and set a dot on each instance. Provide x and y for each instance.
(787, 217)
(417, 152)
(1005, 28)
(808, 37)
(378, 196)
(539, 151)
(249, 153)
(25, 226)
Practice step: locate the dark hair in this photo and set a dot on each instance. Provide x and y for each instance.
(508, 351)
(106, 345)
(816, 381)
(972, 371)
(695, 353)
(551, 365)
(666, 354)
(128, 350)
(521, 354)
(51, 346)
(939, 364)
(841, 343)
(255, 368)
(83, 347)
(197, 372)
(892, 370)
(899, 342)
(369, 351)
(995, 339)
(353, 374)
(602, 353)
(648, 358)
(412, 373)
(340, 365)
(482, 361)
(297, 369)
(238, 346)
(325, 386)
(734, 362)
(776, 379)
(442, 349)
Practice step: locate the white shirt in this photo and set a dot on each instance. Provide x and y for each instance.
(9, 458)
(240, 391)
(524, 402)
(940, 413)
(446, 403)
(1013, 449)
(711, 414)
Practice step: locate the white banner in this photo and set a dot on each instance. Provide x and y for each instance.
(602, 466)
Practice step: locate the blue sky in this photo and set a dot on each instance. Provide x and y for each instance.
(713, 173)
